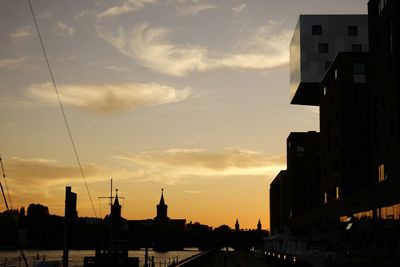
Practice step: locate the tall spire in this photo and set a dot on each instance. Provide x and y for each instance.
(162, 202)
(116, 201)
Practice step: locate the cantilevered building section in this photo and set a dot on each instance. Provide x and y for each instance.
(316, 41)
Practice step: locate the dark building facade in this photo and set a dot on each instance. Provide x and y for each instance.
(303, 158)
(295, 191)
(278, 199)
(344, 127)
(385, 91)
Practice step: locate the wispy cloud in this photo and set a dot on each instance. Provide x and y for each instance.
(108, 98)
(262, 49)
(238, 9)
(175, 164)
(62, 29)
(39, 171)
(14, 63)
(22, 33)
(191, 7)
(127, 6)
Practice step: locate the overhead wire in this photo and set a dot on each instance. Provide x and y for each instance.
(5, 183)
(62, 108)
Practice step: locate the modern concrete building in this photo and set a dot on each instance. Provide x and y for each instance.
(316, 41)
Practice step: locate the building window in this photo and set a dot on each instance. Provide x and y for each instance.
(316, 29)
(356, 48)
(381, 173)
(337, 192)
(300, 151)
(324, 90)
(359, 72)
(336, 74)
(352, 31)
(323, 48)
(325, 198)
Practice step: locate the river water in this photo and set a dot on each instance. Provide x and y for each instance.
(76, 256)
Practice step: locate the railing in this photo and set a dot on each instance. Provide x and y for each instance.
(32, 261)
(194, 260)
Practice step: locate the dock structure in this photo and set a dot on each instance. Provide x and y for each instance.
(223, 258)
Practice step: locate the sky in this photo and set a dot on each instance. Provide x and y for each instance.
(187, 95)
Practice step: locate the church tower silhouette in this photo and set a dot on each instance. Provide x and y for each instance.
(162, 208)
(116, 208)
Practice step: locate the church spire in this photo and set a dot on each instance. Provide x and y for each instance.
(116, 201)
(162, 208)
(237, 226)
(162, 202)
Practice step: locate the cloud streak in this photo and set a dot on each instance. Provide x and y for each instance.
(44, 171)
(62, 29)
(22, 33)
(127, 6)
(108, 98)
(191, 7)
(13, 63)
(175, 164)
(151, 47)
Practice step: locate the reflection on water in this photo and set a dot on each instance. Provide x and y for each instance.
(76, 256)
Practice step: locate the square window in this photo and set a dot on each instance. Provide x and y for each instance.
(323, 48)
(356, 48)
(359, 72)
(316, 29)
(352, 31)
(359, 68)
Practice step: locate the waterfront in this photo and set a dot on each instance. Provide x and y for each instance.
(76, 256)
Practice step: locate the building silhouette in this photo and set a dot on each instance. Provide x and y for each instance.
(344, 126)
(162, 233)
(357, 155)
(296, 191)
(237, 226)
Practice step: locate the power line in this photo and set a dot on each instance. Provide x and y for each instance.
(5, 182)
(61, 107)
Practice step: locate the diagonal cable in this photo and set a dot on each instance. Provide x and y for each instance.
(62, 108)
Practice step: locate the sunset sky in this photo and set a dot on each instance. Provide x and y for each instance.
(187, 95)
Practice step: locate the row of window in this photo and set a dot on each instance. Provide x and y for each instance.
(323, 48)
(359, 73)
(351, 30)
(384, 213)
